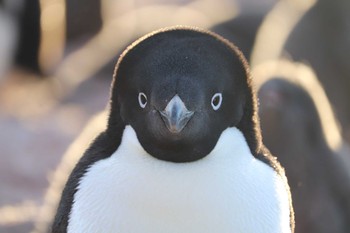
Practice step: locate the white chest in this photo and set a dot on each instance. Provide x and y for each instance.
(228, 191)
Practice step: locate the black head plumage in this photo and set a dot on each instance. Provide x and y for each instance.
(179, 88)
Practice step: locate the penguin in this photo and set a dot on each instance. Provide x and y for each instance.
(293, 103)
(310, 41)
(8, 38)
(29, 34)
(182, 150)
(307, 40)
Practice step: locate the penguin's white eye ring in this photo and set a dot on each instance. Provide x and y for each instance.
(142, 100)
(216, 101)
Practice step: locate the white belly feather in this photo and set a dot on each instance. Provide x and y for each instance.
(228, 191)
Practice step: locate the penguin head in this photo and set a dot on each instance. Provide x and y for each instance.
(179, 89)
(287, 106)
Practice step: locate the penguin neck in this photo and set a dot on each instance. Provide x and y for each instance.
(231, 137)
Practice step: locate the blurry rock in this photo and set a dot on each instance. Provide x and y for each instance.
(299, 128)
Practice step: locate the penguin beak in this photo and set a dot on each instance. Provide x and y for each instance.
(175, 115)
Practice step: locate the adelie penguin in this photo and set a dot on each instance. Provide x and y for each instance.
(182, 151)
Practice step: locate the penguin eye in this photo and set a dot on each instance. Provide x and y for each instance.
(142, 100)
(216, 101)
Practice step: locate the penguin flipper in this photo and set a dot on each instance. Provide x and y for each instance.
(266, 156)
(101, 148)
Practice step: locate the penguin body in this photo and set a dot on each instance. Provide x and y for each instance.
(227, 190)
(182, 150)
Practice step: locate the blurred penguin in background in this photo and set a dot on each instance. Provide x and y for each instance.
(299, 127)
(316, 33)
(83, 21)
(327, 23)
(242, 28)
(27, 54)
(8, 37)
(20, 35)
